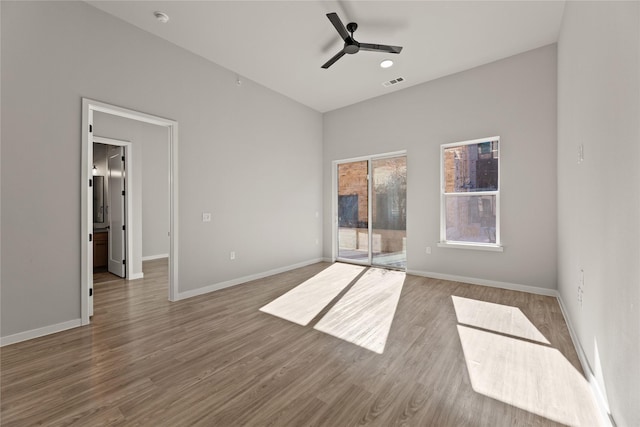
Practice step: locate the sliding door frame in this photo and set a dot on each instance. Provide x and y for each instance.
(334, 203)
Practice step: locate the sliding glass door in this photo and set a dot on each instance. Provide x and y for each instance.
(371, 211)
(353, 211)
(389, 212)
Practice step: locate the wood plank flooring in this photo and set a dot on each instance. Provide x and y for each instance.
(302, 303)
(364, 315)
(216, 360)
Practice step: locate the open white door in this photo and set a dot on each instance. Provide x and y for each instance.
(117, 212)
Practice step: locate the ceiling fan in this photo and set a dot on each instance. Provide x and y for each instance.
(350, 44)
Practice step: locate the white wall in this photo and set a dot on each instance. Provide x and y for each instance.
(150, 146)
(598, 200)
(247, 154)
(514, 98)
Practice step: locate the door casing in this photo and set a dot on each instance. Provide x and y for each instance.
(89, 106)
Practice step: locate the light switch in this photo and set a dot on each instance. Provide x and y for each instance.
(206, 216)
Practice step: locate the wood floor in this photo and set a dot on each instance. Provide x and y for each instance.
(216, 360)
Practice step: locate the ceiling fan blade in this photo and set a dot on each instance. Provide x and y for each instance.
(337, 56)
(380, 48)
(335, 20)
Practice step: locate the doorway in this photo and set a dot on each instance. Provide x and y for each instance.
(370, 198)
(89, 107)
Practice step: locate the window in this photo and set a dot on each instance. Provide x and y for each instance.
(470, 199)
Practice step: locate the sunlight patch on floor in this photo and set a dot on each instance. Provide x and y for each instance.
(528, 375)
(302, 303)
(496, 317)
(365, 313)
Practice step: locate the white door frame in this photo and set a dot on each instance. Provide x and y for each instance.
(89, 106)
(128, 188)
(334, 199)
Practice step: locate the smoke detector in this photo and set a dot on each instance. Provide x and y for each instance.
(161, 17)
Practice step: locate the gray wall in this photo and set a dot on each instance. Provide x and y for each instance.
(155, 196)
(150, 146)
(1, 180)
(598, 200)
(514, 98)
(248, 155)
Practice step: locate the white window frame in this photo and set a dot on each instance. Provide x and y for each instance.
(444, 243)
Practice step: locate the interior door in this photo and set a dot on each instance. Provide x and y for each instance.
(117, 212)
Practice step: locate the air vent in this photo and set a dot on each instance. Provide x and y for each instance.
(393, 82)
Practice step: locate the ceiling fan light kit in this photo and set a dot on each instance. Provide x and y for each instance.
(386, 63)
(351, 45)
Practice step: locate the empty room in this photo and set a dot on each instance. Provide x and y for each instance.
(329, 213)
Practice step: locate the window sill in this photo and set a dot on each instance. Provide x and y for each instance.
(472, 246)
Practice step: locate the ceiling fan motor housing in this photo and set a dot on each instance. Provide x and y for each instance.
(350, 44)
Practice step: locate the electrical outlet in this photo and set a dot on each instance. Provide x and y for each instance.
(580, 153)
(581, 279)
(206, 216)
(428, 250)
(580, 296)
(580, 287)
(232, 255)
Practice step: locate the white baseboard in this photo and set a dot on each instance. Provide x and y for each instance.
(59, 327)
(586, 367)
(240, 280)
(151, 257)
(135, 276)
(483, 282)
(39, 332)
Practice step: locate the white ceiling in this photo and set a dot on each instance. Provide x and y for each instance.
(282, 44)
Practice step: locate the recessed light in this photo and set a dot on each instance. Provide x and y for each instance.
(161, 17)
(386, 63)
